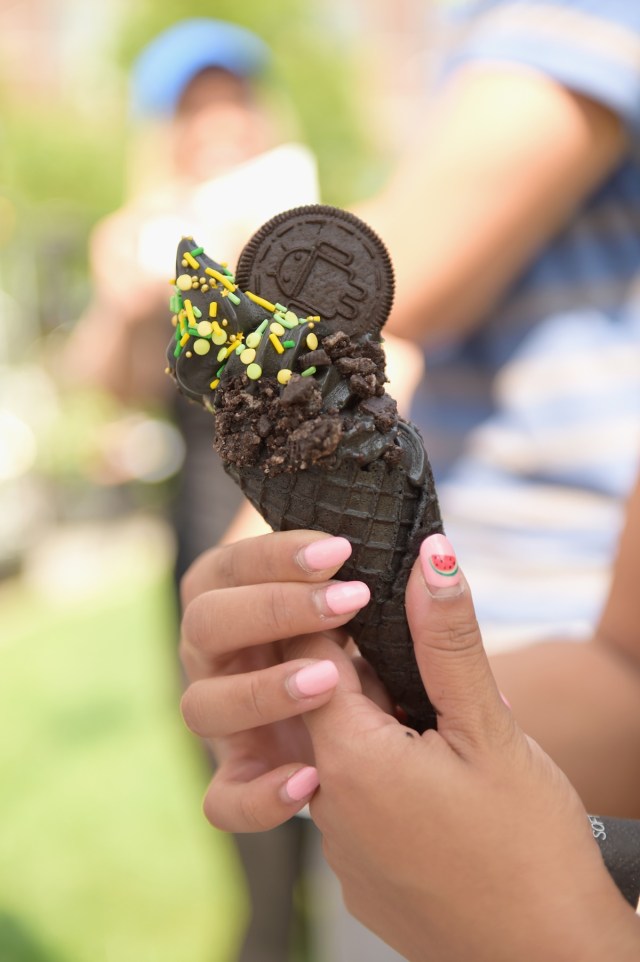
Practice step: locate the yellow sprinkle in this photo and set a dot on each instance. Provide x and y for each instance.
(184, 339)
(191, 261)
(203, 280)
(314, 317)
(174, 319)
(219, 336)
(276, 328)
(189, 309)
(220, 277)
(213, 308)
(225, 352)
(254, 371)
(276, 343)
(214, 384)
(224, 322)
(253, 339)
(183, 263)
(205, 328)
(184, 282)
(268, 306)
(311, 325)
(311, 342)
(201, 346)
(204, 288)
(167, 370)
(248, 356)
(284, 376)
(173, 282)
(188, 354)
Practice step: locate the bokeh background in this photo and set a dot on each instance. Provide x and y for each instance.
(105, 856)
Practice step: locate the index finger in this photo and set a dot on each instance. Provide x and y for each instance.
(279, 556)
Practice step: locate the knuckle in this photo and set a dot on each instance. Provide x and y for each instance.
(277, 613)
(256, 703)
(214, 809)
(253, 817)
(198, 621)
(459, 634)
(193, 713)
(192, 581)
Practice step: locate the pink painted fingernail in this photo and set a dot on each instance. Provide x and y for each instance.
(302, 784)
(324, 553)
(439, 562)
(314, 679)
(345, 596)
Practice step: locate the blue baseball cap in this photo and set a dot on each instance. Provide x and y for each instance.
(170, 62)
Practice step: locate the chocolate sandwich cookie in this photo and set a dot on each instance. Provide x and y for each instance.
(324, 261)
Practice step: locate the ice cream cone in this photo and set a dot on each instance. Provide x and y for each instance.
(291, 366)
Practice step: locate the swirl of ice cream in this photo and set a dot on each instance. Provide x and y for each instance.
(287, 391)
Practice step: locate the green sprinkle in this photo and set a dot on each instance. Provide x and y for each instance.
(220, 370)
(253, 339)
(288, 343)
(288, 320)
(254, 371)
(240, 348)
(196, 311)
(309, 372)
(191, 330)
(233, 298)
(222, 353)
(282, 308)
(196, 251)
(177, 351)
(263, 326)
(225, 270)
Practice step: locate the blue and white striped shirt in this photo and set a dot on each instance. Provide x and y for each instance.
(533, 421)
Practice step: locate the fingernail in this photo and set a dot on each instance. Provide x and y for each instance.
(439, 562)
(506, 701)
(303, 783)
(345, 596)
(313, 680)
(324, 553)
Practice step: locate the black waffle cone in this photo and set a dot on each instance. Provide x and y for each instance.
(385, 511)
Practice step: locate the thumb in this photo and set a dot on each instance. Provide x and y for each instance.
(449, 651)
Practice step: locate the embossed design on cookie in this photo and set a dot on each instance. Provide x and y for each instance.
(321, 260)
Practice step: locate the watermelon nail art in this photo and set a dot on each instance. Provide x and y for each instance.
(439, 562)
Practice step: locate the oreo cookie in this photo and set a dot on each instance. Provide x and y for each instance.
(319, 260)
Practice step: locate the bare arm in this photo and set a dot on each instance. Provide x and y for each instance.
(507, 157)
(582, 701)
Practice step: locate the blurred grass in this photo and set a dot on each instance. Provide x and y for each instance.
(105, 854)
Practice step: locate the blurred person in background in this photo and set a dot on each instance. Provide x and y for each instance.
(216, 170)
(513, 228)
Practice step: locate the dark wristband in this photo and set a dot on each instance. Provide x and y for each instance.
(619, 841)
